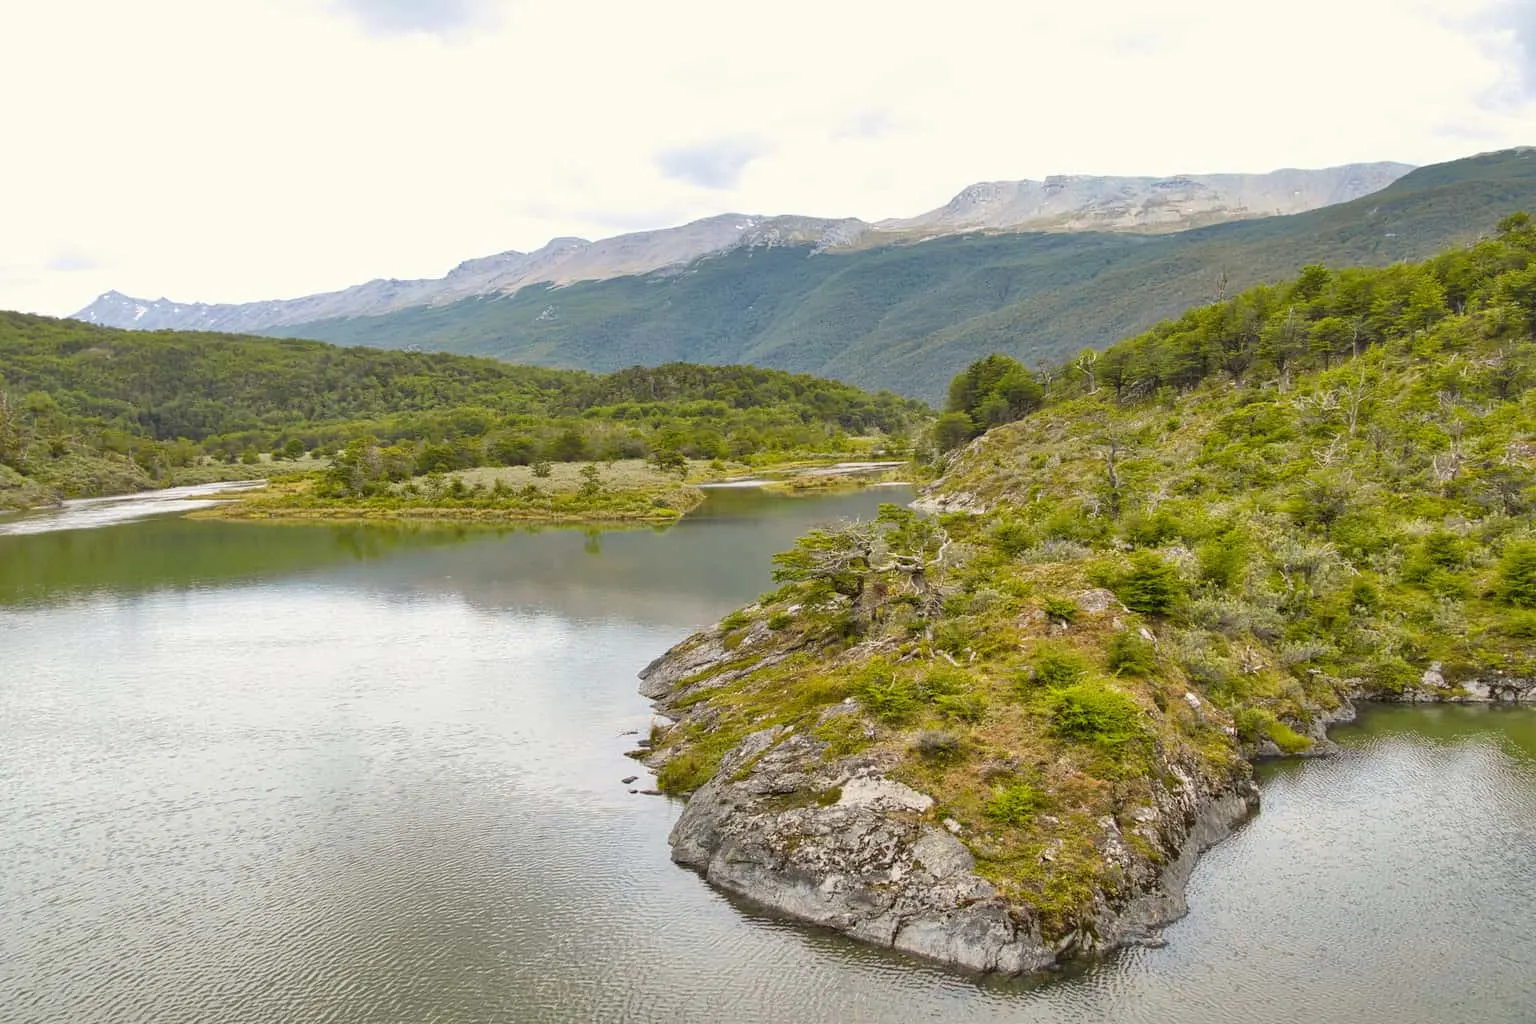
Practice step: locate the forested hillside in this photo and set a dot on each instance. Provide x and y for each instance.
(905, 316)
(87, 410)
(1191, 551)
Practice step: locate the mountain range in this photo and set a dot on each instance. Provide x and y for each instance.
(1059, 203)
(1031, 268)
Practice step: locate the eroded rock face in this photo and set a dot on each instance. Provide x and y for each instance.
(840, 845)
(1433, 688)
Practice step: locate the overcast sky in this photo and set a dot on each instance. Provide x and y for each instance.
(245, 149)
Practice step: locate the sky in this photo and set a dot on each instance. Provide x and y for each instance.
(252, 149)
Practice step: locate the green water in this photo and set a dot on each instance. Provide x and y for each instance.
(260, 773)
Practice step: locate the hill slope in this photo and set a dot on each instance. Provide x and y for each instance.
(999, 737)
(1073, 203)
(905, 316)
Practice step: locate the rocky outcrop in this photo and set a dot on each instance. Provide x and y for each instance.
(837, 842)
(842, 846)
(1433, 688)
(1076, 202)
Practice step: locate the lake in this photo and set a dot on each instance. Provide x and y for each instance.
(362, 773)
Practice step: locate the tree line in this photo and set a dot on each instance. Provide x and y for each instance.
(72, 392)
(1273, 332)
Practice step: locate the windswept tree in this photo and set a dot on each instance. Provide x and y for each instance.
(869, 563)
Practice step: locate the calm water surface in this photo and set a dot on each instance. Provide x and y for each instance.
(319, 773)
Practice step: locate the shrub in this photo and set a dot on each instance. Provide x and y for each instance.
(1056, 666)
(1129, 653)
(1255, 724)
(938, 745)
(1015, 804)
(953, 636)
(1517, 574)
(890, 699)
(735, 620)
(1521, 625)
(1436, 555)
(1151, 584)
(1095, 713)
(1222, 560)
(1012, 537)
(1063, 608)
(946, 680)
(961, 707)
(1388, 673)
(780, 620)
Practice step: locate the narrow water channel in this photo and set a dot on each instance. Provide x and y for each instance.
(340, 773)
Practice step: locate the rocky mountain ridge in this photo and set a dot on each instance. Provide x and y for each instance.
(1080, 202)
(1057, 204)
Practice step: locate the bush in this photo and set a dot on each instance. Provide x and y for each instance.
(1013, 537)
(946, 680)
(890, 699)
(1150, 585)
(1015, 804)
(1063, 608)
(1521, 625)
(961, 707)
(1130, 654)
(1222, 560)
(1433, 561)
(1056, 666)
(735, 620)
(1388, 673)
(1517, 574)
(938, 745)
(780, 620)
(1255, 724)
(1095, 713)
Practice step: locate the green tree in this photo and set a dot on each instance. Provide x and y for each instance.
(993, 390)
(569, 446)
(670, 460)
(1151, 584)
(591, 481)
(952, 430)
(1517, 574)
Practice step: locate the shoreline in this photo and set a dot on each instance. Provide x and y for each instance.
(659, 504)
(839, 843)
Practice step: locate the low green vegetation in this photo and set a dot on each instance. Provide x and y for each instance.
(1197, 547)
(570, 492)
(86, 410)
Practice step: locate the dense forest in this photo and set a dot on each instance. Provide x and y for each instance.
(1188, 551)
(88, 410)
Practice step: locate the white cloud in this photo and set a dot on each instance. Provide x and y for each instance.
(441, 17)
(716, 164)
(245, 149)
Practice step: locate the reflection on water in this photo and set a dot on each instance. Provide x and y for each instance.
(259, 773)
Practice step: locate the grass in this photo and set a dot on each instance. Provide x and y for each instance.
(626, 490)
